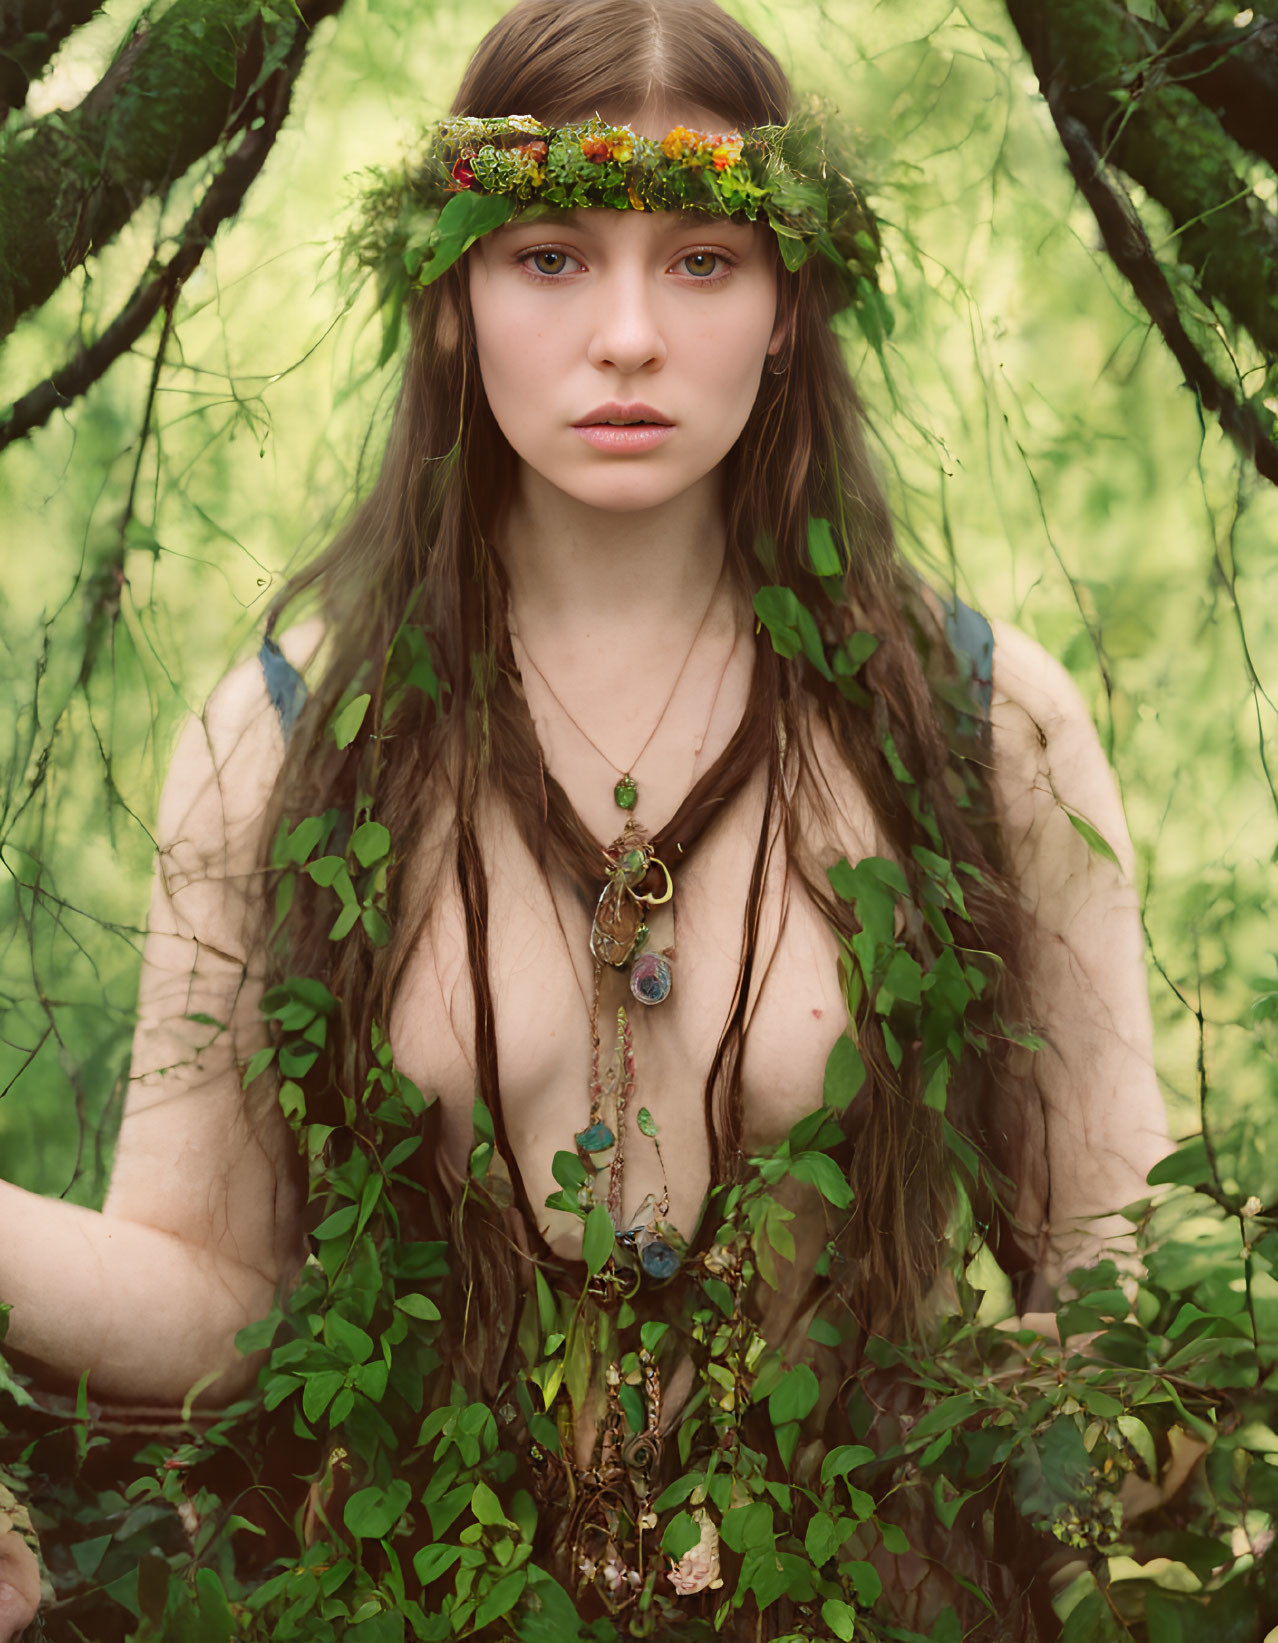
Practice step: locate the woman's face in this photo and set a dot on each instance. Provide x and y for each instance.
(660, 320)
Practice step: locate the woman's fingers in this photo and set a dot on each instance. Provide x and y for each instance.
(19, 1586)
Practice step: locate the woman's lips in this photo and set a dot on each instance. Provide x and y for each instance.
(623, 441)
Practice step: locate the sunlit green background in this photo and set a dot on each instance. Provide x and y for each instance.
(1032, 430)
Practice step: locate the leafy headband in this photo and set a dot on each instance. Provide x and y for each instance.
(476, 174)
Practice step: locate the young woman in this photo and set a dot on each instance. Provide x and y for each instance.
(624, 704)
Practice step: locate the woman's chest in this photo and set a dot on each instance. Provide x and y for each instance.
(772, 959)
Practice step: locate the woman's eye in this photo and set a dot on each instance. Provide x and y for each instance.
(701, 264)
(547, 262)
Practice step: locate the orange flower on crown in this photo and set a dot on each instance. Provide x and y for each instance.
(536, 150)
(596, 149)
(727, 153)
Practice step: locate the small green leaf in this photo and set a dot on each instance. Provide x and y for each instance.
(844, 1074)
(823, 551)
(334, 1225)
(347, 721)
(840, 1617)
(682, 1534)
(502, 1599)
(258, 1065)
(418, 1306)
(597, 1239)
(485, 1505)
(319, 1390)
(795, 1395)
(647, 1124)
(351, 1344)
(371, 1514)
(1094, 840)
(371, 842)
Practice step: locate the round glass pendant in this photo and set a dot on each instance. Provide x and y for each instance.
(626, 792)
(650, 978)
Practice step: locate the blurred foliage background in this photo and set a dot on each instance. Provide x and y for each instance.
(1039, 443)
(1042, 453)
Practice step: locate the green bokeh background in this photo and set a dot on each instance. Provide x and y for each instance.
(1036, 438)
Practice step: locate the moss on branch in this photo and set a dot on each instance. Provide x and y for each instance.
(69, 181)
(1099, 64)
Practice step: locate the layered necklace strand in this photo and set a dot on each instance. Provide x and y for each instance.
(626, 792)
(637, 882)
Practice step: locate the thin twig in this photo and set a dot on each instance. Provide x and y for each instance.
(1130, 251)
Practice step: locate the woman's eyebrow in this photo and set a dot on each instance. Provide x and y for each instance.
(579, 217)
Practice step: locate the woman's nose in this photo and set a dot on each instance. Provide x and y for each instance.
(627, 332)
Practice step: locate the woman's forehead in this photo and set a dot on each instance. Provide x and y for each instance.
(605, 222)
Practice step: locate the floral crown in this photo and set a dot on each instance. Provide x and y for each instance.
(476, 174)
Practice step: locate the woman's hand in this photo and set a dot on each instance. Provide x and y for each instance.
(19, 1583)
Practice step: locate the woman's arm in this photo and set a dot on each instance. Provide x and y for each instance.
(202, 1221)
(1105, 1123)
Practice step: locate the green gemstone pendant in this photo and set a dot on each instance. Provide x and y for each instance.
(626, 792)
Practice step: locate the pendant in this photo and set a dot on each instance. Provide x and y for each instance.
(597, 1138)
(618, 920)
(626, 792)
(650, 978)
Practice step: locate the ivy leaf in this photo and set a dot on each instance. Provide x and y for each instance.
(465, 217)
(372, 1513)
(351, 1344)
(682, 1534)
(486, 1507)
(794, 1396)
(371, 841)
(840, 1617)
(1094, 840)
(823, 551)
(319, 1390)
(597, 1239)
(433, 1561)
(844, 1074)
(334, 1225)
(418, 1306)
(347, 720)
(258, 1065)
(839, 1462)
(1188, 1166)
(502, 1599)
(745, 1528)
(820, 1171)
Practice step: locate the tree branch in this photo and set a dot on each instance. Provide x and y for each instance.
(30, 32)
(178, 85)
(222, 200)
(1132, 254)
(1235, 74)
(1102, 66)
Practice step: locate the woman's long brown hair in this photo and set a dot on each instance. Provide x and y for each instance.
(417, 552)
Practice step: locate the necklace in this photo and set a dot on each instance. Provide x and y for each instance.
(626, 792)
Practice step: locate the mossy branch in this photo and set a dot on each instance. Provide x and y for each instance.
(159, 290)
(1114, 101)
(1233, 72)
(30, 32)
(1098, 64)
(181, 82)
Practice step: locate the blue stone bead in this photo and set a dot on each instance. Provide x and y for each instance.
(659, 1260)
(597, 1138)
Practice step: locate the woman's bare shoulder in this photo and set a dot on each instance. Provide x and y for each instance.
(1048, 760)
(228, 756)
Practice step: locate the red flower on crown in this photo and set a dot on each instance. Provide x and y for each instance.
(463, 176)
